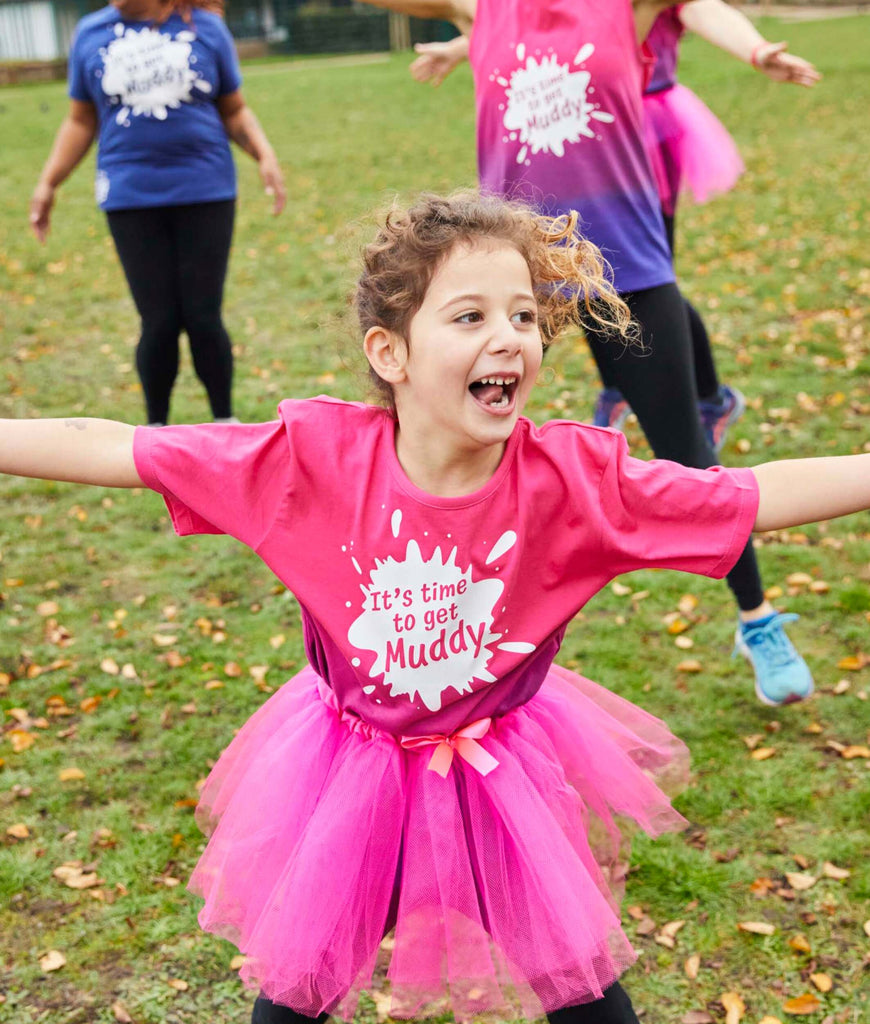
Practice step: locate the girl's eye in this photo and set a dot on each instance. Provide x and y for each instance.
(526, 316)
(470, 318)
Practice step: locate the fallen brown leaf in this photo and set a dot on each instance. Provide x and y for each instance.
(18, 831)
(178, 984)
(762, 753)
(800, 880)
(799, 943)
(830, 870)
(53, 960)
(692, 966)
(822, 981)
(121, 1013)
(696, 1017)
(756, 927)
(802, 1006)
(70, 774)
(735, 1008)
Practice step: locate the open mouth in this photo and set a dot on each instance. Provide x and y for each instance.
(495, 392)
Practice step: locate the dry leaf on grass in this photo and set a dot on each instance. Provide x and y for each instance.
(822, 981)
(696, 1017)
(770, 1020)
(238, 961)
(70, 774)
(756, 927)
(830, 870)
(735, 1008)
(762, 753)
(692, 966)
(121, 1013)
(53, 960)
(178, 984)
(799, 943)
(18, 831)
(802, 1006)
(800, 880)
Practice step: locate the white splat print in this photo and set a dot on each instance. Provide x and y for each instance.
(429, 623)
(548, 103)
(148, 72)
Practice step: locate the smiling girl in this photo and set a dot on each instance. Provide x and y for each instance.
(432, 774)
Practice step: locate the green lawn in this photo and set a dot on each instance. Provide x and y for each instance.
(93, 581)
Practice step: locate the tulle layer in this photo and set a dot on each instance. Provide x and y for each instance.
(689, 147)
(498, 892)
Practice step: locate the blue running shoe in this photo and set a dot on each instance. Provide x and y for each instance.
(719, 413)
(611, 409)
(781, 674)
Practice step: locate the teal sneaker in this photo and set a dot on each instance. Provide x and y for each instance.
(781, 674)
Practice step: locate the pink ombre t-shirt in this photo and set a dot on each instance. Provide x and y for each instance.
(424, 613)
(559, 85)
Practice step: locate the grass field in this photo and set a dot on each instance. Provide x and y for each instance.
(131, 657)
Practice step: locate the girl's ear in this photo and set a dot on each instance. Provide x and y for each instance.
(387, 354)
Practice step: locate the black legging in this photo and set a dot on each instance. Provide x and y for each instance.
(175, 260)
(706, 378)
(659, 385)
(614, 1008)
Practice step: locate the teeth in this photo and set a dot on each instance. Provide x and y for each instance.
(501, 381)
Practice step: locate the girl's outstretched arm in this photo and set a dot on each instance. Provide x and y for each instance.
(729, 29)
(798, 491)
(80, 451)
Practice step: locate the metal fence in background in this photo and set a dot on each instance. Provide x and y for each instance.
(33, 30)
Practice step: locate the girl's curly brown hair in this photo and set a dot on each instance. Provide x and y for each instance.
(569, 274)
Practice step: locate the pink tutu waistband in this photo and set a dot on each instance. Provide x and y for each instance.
(341, 858)
(689, 147)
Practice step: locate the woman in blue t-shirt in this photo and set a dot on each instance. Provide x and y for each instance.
(159, 83)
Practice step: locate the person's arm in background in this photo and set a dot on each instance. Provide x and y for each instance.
(729, 29)
(435, 61)
(242, 126)
(460, 12)
(74, 137)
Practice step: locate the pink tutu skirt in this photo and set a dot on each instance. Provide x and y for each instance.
(338, 860)
(689, 147)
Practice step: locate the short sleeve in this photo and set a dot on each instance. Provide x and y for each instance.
(229, 71)
(77, 87)
(217, 478)
(659, 514)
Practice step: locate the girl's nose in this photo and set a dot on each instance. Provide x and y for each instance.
(505, 338)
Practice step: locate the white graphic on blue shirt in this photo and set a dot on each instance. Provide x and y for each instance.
(149, 73)
(429, 623)
(549, 104)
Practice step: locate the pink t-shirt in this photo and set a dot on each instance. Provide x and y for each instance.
(558, 85)
(425, 613)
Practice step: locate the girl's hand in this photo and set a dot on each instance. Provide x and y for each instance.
(273, 182)
(41, 203)
(436, 61)
(772, 60)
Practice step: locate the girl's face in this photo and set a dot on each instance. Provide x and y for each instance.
(474, 349)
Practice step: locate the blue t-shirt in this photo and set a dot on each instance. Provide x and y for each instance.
(155, 87)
